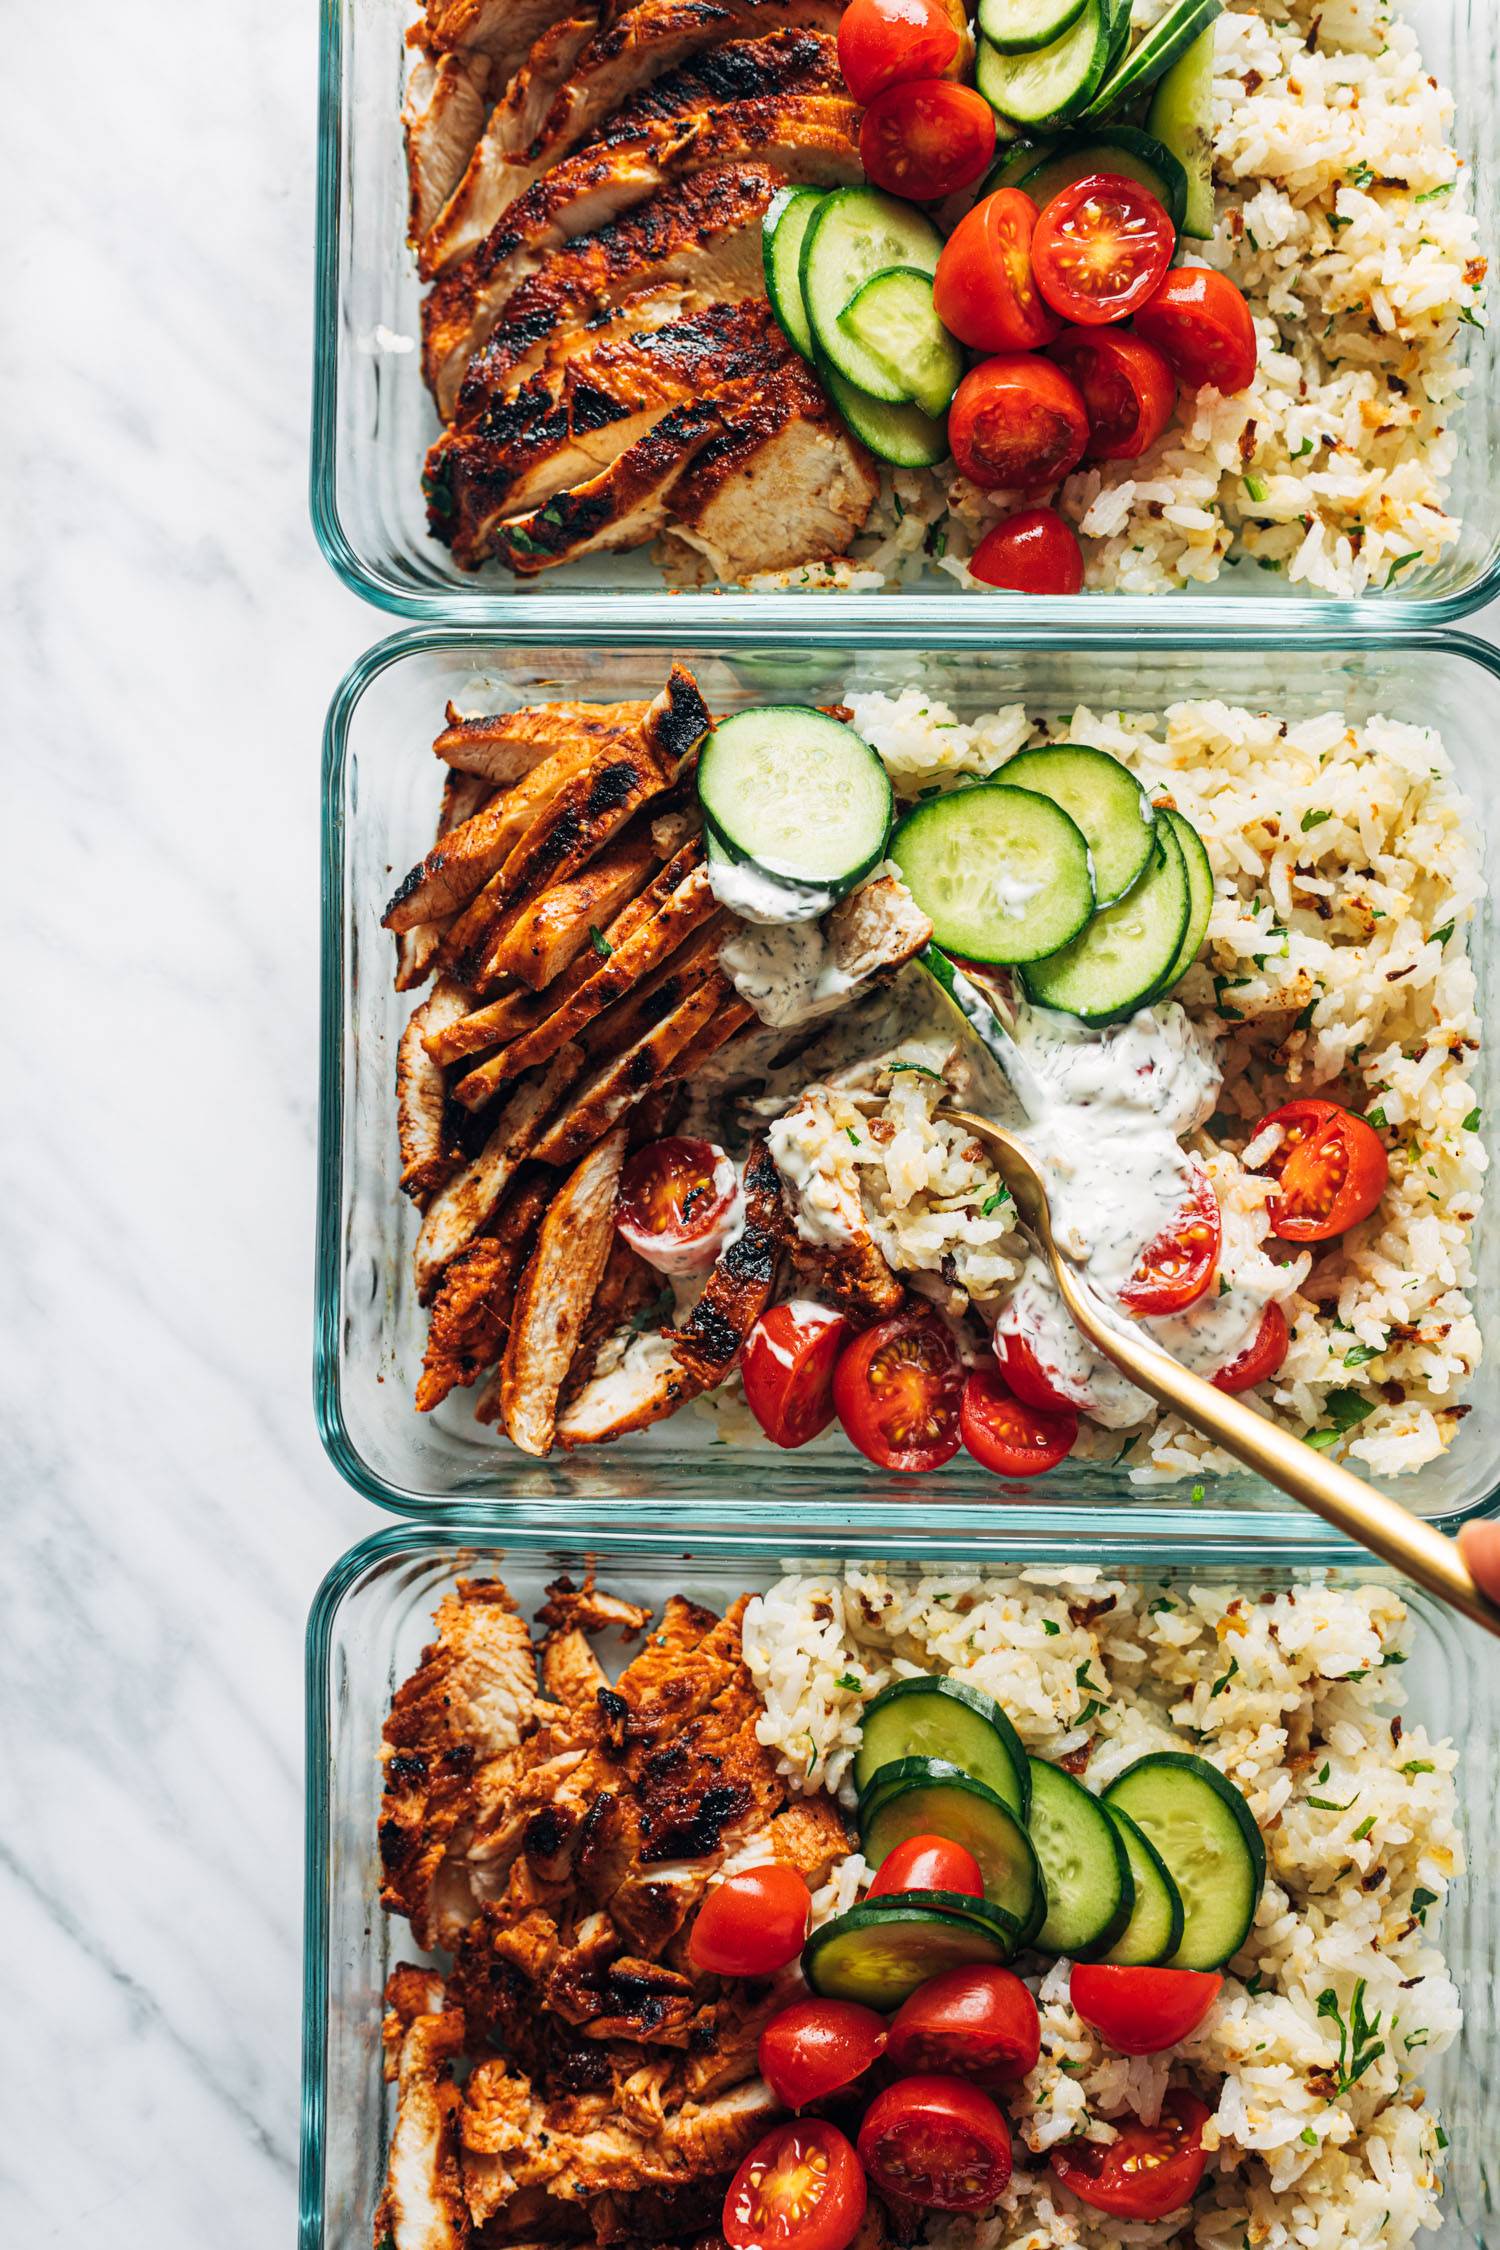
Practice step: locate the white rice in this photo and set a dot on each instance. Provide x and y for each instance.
(1291, 1695)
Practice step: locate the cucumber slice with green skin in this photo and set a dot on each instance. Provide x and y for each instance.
(902, 435)
(1119, 33)
(1154, 1930)
(1019, 27)
(1121, 958)
(1114, 148)
(893, 319)
(1103, 799)
(745, 887)
(1090, 1890)
(1002, 1927)
(1002, 873)
(1200, 877)
(877, 1954)
(1021, 157)
(1053, 84)
(1204, 1831)
(799, 794)
(855, 234)
(1152, 56)
(967, 1813)
(1181, 117)
(782, 230)
(943, 1718)
(901, 1773)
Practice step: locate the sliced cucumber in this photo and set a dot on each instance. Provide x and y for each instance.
(1115, 148)
(1119, 32)
(1203, 1829)
(799, 794)
(1090, 1892)
(943, 1718)
(889, 1780)
(782, 229)
(1018, 27)
(1182, 118)
(1002, 1927)
(877, 1954)
(967, 1813)
(902, 435)
(1054, 83)
(855, 234)
(1121, 958)
(1101, 797)
(1021, 157)
(1154, 1930)
(1200, 877)
(1154, 55)
(1002, 873)
(893, 319)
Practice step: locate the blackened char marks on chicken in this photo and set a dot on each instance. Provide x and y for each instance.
(741, 1284)
(686, 719)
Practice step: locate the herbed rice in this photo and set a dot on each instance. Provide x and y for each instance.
(1342, 217)
(1291, 1693)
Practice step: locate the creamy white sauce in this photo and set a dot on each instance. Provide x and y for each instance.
(679, 1260)
(788, 973)
(811, 1154)
(755, 896)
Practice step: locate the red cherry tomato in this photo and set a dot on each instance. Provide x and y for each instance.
(1261, 1357)
(979, 2023)
(751, 1924)
(787, 1366)
(897, 1391)
(1332, 1168)
(817, 2047)
(937, 2142)
(882, 42)
(675, 1204)
(1129, 390)
(1142, 2011)
(1024, 1374)
(1179, 1265)
(926, 139)
(1101, 248)
(1017, 424)
(1006, 1435)
(1203, 324)
(1031, 552)
(928, 1863)
(1148, 2170)
(800, 2188)
(983, 289)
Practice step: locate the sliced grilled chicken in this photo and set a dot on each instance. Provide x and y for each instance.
(505, 30)
(742, 1282)
(553, 930)
(465, 1205)
(422, 2205)
(444, 119)
(428, 1154)
(464, 795)
(765, 62)
(811, 137)
(556, 1292)
(471, 1313)
(616, 1085)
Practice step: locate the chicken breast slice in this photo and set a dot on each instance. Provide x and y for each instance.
(556, 1292)
(467, 1202)
(422, 2206)
(443, 116)
(428, 1156)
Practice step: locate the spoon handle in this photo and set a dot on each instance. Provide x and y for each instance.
(1332, 1492)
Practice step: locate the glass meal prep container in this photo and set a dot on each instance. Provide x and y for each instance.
(371, 1618)
(380, 795)
(373, 419)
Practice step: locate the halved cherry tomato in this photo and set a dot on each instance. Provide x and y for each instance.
(817, 2047)
(978, 2023)
(938, 2142)
(983, 289)
(1101, 248)
(928, 1863)
(1147, 2170)
(1179, 1265)
(1006, 1435)
(1203, 324)
(926, 139)
(787, 1366)
(753, 1923)
(1332, 1168)
(800, 2188)
(1128, 387)
(897, 1391)
(1142, 2011)
(676, 1201)
(1261, 1357)
(1032, 552)
(882, 42)
(1017, 424)
(1024, 1374)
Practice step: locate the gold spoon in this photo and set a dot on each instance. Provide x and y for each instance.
(1332, 1492)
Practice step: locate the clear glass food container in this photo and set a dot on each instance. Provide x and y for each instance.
(380, 792)
(373, 419)
(371, 1618)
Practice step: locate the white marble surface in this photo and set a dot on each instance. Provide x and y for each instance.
(171, 639)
